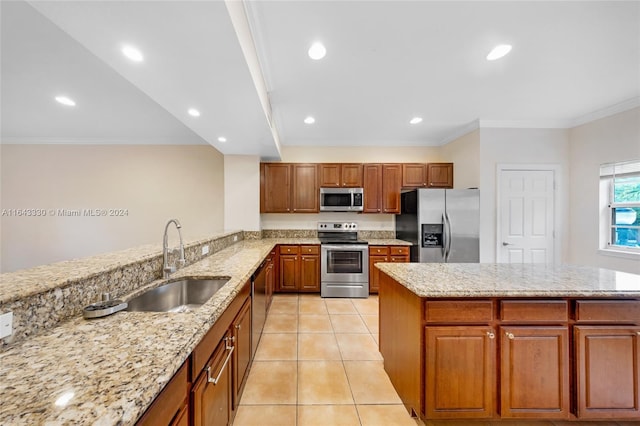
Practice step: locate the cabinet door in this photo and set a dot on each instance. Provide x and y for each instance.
(305, 195)
(241, 329)
(288, 272)
(608, 372)
(535, 372)
(172, 401)
(414, 175)
(460, 372)
(440, 175)
(351, 175)
(309, 273)
(211, 394)
(275, 190)
(329, 175)
(374, 273)
(391, 185)
(372, 188)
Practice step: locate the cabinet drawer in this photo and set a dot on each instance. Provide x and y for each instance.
(608, 311)
(375, 250)
(399, 250)
(534, 311)
(458, 311)
(310, 249)
(289, 249)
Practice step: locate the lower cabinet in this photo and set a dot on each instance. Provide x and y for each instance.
(393, 254)
(608, 372)
(171, 406)
(460, 372)
(212, 392)
(241, 337)
(534, 372)
(299, 268)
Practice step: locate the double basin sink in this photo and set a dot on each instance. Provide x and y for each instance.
(184, 295)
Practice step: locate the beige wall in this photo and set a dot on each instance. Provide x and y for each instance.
(153, 183)
(611, 139)
(464, 153)
(524, 146)
(360, 154)
(242, 192)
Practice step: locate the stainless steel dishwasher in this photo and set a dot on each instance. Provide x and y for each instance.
(258, 305)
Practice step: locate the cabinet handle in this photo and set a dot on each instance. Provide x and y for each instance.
(510, 335)
(491, 335)
(238, 327)
(226, 361)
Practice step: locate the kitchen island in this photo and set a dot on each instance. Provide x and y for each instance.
(501, 341)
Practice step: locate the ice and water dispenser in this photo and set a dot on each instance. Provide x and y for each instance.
(431, 235)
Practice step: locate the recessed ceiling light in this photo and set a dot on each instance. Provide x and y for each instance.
(194, 112)
(132, 53)
(317, 51)
(222, 139)
(415, 120)
(498, 52)
(309, 120)
(65, 101)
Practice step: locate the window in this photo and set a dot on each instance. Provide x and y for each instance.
(620, 182)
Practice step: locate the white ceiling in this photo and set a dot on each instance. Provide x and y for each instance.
(387, 61)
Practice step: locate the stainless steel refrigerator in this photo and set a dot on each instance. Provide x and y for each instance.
(443, 225)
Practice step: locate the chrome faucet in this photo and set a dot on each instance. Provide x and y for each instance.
(166, 269)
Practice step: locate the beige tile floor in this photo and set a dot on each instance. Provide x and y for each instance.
(318, 364)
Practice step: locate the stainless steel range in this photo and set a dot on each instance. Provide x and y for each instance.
(344, 261)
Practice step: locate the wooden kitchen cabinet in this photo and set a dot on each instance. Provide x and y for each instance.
(414, 175)
(534, 372)
(608, 372)
(372, 187)
(299, 268)
(460, 372)
(340, 175)
(241, 337)
(440, 175)
(289, 188)
(169, 407)
(391, 187)
(305, 197)
(394, 254)
(275, 188)
(212, 392)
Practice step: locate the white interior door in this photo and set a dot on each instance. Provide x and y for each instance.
(526, 217)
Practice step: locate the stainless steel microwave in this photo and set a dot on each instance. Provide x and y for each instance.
(341, 199)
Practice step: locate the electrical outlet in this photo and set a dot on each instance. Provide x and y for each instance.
(6, 325)
(235, 238)
(205, 250)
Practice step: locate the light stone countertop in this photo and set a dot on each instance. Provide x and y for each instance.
(386, 242)
(116, 366)
(440, 280)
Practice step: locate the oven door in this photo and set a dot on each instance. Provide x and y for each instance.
(345, 263)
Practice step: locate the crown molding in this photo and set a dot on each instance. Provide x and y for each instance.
(607, 112)
(460, 131)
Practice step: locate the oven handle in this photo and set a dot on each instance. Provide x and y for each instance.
(350, 247)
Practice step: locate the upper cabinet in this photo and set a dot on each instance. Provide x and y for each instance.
(294, 187)
(289, 188)
(440, 175)
(334, 175)
(414, 175)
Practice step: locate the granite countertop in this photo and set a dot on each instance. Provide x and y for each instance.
(387, 242)
(112, 368)
(439, 280)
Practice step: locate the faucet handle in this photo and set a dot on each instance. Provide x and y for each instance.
(169, 269)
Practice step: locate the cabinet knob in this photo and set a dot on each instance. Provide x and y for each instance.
(238, 327)
(491, 334)
(510, 335)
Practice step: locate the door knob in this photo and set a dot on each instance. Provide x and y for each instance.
(506, 244)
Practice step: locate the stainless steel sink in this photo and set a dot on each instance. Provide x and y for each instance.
(177, 296)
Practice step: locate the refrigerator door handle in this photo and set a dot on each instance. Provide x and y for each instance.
(444, 238)
(447, 232)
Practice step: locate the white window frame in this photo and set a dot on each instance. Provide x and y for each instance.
(606, 216)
